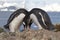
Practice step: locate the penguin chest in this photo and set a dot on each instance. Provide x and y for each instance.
(35, 20)
(17, 20)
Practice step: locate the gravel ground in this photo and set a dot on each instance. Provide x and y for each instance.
(31, 35)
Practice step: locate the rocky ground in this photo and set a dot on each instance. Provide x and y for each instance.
(31, 35)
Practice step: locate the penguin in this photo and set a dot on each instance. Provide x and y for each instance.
(26, 21)
(16, 19)
(41, 19)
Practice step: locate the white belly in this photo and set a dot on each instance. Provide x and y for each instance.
(35, 20)
(17, 21)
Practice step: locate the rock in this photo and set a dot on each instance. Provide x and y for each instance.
(31, 35)
(57, 26)
(1, 30)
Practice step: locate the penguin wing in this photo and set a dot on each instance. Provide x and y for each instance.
(12, 16)
(9, 20)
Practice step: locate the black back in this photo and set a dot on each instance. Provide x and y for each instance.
(46, 17)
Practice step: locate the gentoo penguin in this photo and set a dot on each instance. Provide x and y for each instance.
(16, 19)
(41, 19)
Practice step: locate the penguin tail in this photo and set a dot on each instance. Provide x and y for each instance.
(6, 26)
(52, 28)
